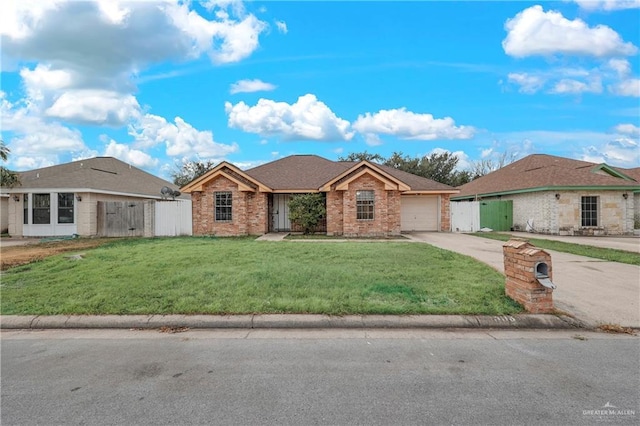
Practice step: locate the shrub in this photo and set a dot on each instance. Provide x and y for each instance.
(307, 210)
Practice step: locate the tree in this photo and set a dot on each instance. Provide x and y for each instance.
(404, 163)
(440, 167)
(189, 170)
(4, 151)
(307, 210)
(7, 177)
(485, 166)
(363, 156)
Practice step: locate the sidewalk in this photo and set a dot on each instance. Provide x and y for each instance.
(292, 321)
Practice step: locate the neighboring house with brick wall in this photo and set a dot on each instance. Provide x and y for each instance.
(63, 200)
(557, 195)
(362, 198)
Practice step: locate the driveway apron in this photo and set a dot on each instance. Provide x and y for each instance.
(593, 290)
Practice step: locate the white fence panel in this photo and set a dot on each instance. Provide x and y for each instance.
(465, 216)
(173, 218)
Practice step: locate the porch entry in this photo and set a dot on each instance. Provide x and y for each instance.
(279, 215)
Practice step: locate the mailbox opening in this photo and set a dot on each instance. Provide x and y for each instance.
(542, 275)
(542, 270)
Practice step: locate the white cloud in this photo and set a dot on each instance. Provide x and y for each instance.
(628, 129)
(574, 87)
(372, 139)
(113, 12)
(35, 142)
(18, 18)
(100, 107)
(249, 86)
(180, 138)
(409, 125)
(621, 152)
(628, 87)
(575, 80)
(620, 149)
(621, 66)
(108, 45)
(528, 83)
(42, 82)
(536, 32)
(282, 27)
(79, 62)
(486, 152)
(608, 4)
(131, 156)
(306, 119)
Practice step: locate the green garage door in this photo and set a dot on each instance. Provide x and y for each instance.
(497, 215)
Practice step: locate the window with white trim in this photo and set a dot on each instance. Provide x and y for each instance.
(65, 207)
(41, 209)
(589, 210)
(365, 201)
(25, 208)
(223, 206)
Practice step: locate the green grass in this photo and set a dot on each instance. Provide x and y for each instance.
(611, 255)
(239, 276)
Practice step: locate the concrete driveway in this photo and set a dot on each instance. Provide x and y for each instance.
(627, 243)
(593, 290)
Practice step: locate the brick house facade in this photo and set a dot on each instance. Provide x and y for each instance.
(555, 195)
(228, 201)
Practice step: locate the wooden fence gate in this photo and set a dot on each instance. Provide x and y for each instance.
(120, 218)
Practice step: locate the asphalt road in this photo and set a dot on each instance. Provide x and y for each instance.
(318, 377)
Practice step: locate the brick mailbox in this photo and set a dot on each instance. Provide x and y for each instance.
(528, 276)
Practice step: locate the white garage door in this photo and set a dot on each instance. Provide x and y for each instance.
(419, 213)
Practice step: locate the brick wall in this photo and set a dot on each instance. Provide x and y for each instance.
(445, 213)
(257, 212)
(334, 212)
(520, 259)
(563, 215)
(249, 210)
(386, 210)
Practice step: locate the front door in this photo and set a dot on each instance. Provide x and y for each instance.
(280, 213)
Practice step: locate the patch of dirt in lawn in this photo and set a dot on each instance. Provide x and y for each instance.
(21, 255)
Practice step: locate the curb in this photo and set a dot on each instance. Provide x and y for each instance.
(288, 321)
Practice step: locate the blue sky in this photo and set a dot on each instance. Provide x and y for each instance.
(155, 83)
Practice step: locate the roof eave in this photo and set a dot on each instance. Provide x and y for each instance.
(372, 166)
(550, 188)
(197, 184)
(431, 191)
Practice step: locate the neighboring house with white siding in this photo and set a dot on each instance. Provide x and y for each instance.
(556, 195)
(63, 200)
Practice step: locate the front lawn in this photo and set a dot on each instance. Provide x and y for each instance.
(194, 275)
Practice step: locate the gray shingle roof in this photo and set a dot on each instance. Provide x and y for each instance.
(544, 171)
(100, 174)
(310, 172)
(298, 172)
